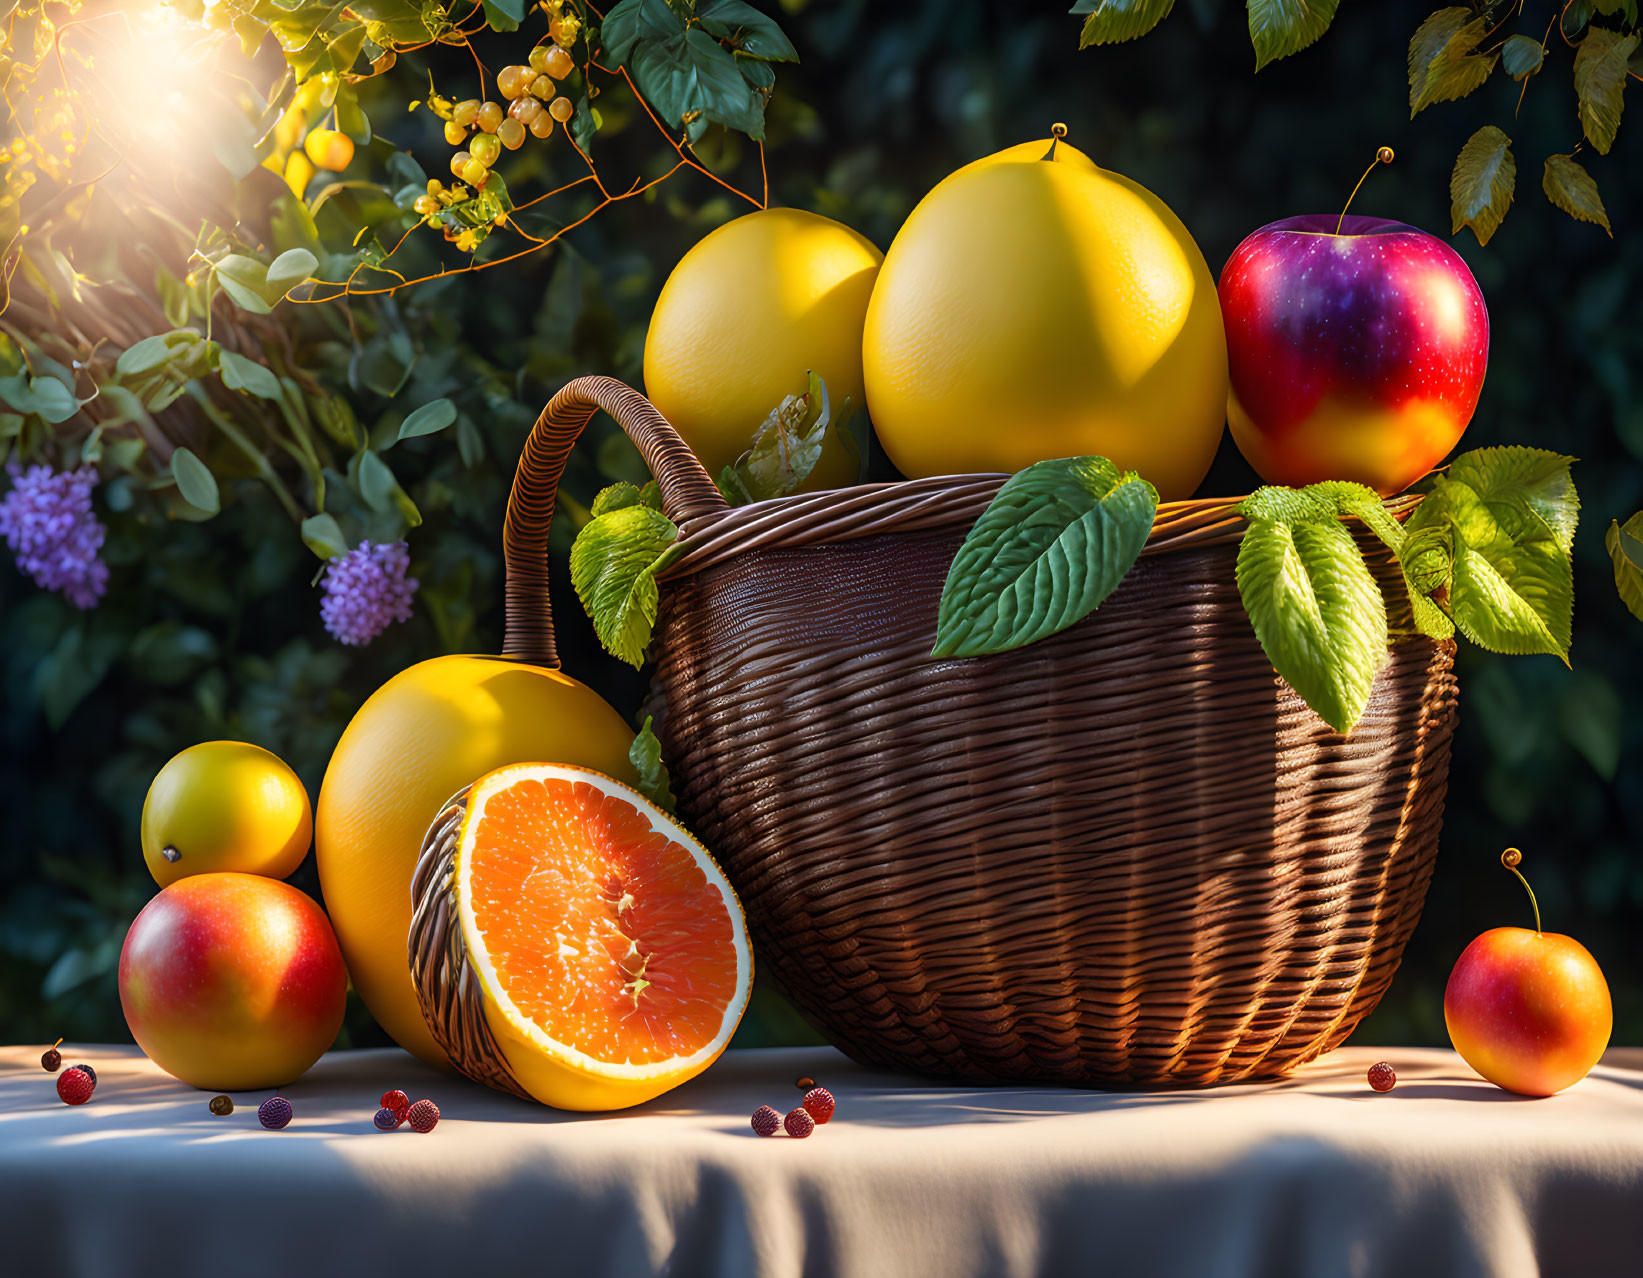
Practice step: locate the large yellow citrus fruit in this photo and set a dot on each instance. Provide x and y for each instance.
(421, 737)
(610, 951)
(745, 315)
(1038, 307)
(225, 805)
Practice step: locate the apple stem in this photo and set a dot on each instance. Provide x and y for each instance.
(1383, 156)
(1511, 859)
(1057, 132)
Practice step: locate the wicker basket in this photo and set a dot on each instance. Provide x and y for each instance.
(1125, 856)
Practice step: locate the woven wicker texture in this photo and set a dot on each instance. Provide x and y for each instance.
(1125, 856)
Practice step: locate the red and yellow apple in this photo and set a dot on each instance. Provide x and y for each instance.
(1529, 1010)
(232, 982)
(1357, 355)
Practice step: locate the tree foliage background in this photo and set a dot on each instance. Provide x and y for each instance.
(210, 625)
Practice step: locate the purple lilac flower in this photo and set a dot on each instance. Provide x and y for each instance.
(365, 590)
(48, 522)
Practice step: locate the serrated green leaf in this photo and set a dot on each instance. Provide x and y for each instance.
(291, 268)
(1114, 21)
(323, 535)
(645, 754)
(617, 496)
(1442, 64)
(1519, 601)
(1431, 620)
(1531, 480)
(1522, 56)
(1570, 188)
(1317, 611)
(1364, 504)
(613, 565)
(1057, 540)
(1278, 28)
(749, 31)
(1287, 505)
(1482, 184)
(432, 417)
(242, 374)
(1600, 83)
(1625, 546)
(1428, 557)
(651, 495)
(195, 481)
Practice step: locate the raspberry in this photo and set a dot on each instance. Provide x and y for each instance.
(74, 1086)
(766, 1121)
(222, 1106)
(799, 1124)
(423, 1116)
(387, 1119)
(397, 1101)
(274, 1113)
(90, 1073)
(51, 1060)
(818, 1103)
(1382, 1077)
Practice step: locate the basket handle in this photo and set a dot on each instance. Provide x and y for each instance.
(687, 492)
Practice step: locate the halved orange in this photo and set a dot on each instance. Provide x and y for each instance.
(611, 950)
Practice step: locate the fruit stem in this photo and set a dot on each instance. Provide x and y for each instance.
(1510, 859)
(1057, 132)
(1383, 156)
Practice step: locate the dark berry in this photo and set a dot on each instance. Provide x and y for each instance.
(1382, 1077)
(51, 1060)
(397, 1101)
(387, 1119)
(90, 1073)
(423, 1116)
(799, 1124)
(74, 1086)
(804, 1084)
(222, 1106)
(766, 1121)
(818, 1103)
(274, 1113)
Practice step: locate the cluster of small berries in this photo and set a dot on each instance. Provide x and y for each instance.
(816, 1107)
(397, 1109)
(76, 1083)
(533, 108)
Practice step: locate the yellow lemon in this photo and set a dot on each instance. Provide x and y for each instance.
(747, 312)
(225, 805)
(1035, 306)
(329, 149)
(421, 737)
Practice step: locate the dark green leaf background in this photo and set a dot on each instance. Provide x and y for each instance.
(887, 99)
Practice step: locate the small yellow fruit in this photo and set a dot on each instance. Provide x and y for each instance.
(299, 171)
(511, 134)
(466, 112)
(455, 134)
(329, 149)
(421, 737)
(561, 109)
(490, 115)
(745, 315)
(225, 805)
(1033, 308)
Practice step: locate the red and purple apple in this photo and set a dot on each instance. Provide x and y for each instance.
(1357, 355)
(1530, 1011)
(232, 982)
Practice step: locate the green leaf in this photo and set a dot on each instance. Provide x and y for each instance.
(1364, 504)
(504, 15)
(143, 356)
(291, 268)
(323, 535)
(613, 565)
(689, 76)
(382, 491)
(1057, 540)
(617, 496)
(195, 481)
(1278, 28)
(1522, 56)
(787, 447)
(1600, 83)
(1113, 21)
(1481, 187)
(1287, 505)
(432, 417)
(44, 396)
(1625, 544)
(751, 32)
(634, 20)
(1530, 480)
(1571, 188)
(242, 374)
(1317, 611)
(1519, 601)
(645, 754)
(1442, 64)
